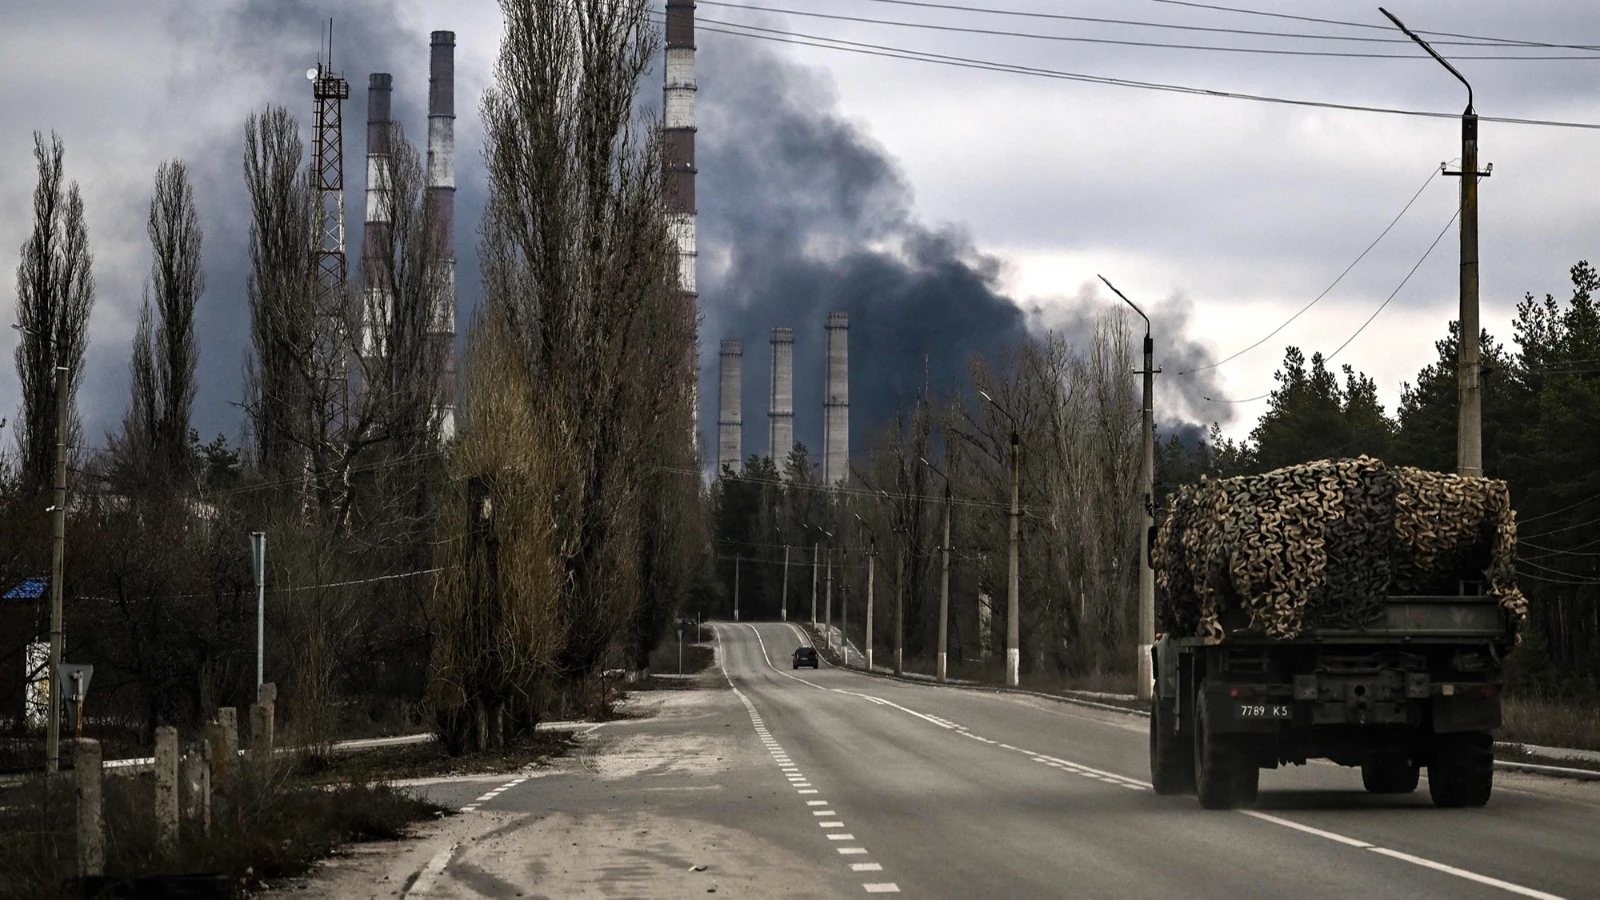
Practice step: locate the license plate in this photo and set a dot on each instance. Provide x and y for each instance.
(1263, 710)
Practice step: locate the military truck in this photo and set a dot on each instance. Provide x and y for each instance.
(1295, 630)
(1420, 688)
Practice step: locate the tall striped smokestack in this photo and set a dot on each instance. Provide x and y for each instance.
(780, 408)
(836, 402)
(376, 242)
(441, 200)
(677, 137)
(730, 424)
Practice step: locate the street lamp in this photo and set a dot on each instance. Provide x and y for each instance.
(783, 612)
(944, 576)
(872, 568)
(1013, 649)
(824, 536)
(1469, 392)
(1147, 465)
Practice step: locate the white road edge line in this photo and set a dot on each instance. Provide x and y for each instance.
(431, 872)
(1125, 781)
(1406, 857)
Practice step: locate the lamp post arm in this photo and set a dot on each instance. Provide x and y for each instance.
(1431, 52)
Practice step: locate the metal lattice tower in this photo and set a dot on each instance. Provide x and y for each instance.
(327, 176)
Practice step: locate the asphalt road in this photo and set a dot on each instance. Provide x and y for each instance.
(834, 783)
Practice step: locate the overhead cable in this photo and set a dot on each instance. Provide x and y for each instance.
(1329, 358)
(867, 49)
(1080, 39)
(1335, 283)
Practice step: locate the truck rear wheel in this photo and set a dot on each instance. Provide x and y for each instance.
(1461, 772)
(1225, 772)
(1171, 760)
(1389, 774)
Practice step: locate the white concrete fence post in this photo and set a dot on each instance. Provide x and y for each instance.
(197, 786)
(91, 831)
(166, 806)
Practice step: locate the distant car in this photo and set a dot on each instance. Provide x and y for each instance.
(806, 656)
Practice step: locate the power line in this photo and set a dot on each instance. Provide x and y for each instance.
(867, 49)
(1369, 25)
(1425, 254)
(1080, 39)
(1330, 287)
(1329, 358)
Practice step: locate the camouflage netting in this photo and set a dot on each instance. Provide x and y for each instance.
(1322, 544)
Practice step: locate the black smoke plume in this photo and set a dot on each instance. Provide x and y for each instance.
(802, 214)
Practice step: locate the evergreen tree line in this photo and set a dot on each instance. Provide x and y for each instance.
(1076, 412)
(1541, 434)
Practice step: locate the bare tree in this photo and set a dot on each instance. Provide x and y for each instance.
(283, 316)
(55, 292)
(177, 281)
(580, 374)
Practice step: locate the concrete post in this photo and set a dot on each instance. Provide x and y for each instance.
(944, 589)
(166, 805)
(1013, 642)
(197, 786)
(91, 831)
(262, 714)
(827, 602)
(872, 567)
(814, 571)
(1469, 431)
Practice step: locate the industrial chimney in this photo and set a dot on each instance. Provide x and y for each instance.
(377, 240)
(836, 402)
(677, 138)
(780, 408)
(441, 201)
(730, 425)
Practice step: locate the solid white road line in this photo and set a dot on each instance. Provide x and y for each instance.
(431, 872)
(1124, 781)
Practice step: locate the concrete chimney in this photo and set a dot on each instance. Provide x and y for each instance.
(730, 425)
(780, 408)
(377, 239)
(677, 138)
(441, 202)
(836, 402)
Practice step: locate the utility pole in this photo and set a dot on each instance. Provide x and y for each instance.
(1147, 482)
(58, 552)
(827, 610)
(872, 559)
(814, 570)
(736, 560)
(1469, 358)
(258, 559)
(785, 612)
(900, 613)
(944, 577)
(844, 608)
(1013, 638)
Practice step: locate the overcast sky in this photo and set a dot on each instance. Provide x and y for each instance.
(1232, 213)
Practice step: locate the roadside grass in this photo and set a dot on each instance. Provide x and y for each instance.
(271, 823)
(430, 759)
(1550, 722)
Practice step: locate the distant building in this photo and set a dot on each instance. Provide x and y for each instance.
(21, 664)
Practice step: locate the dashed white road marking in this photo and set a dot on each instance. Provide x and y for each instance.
(866, 867)
(852, 851)
(1123, 781)
(885, 888)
